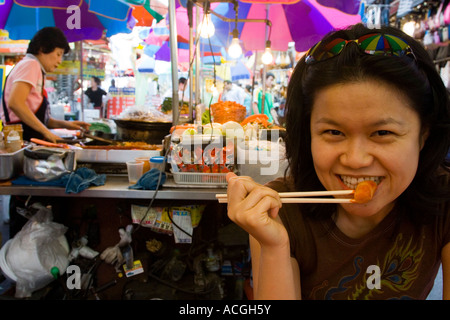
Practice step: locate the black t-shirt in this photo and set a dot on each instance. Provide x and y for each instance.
(96, 96)
(404, 259)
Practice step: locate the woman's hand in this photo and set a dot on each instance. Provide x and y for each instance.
(77, 125)
(71, 125)
(49, 136)
(254, 208)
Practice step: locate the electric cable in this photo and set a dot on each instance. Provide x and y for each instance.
(180, 104)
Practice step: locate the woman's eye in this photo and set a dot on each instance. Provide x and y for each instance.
(333, 132)
(383, 132)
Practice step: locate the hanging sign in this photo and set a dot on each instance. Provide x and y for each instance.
(73, 68)
(12, 46)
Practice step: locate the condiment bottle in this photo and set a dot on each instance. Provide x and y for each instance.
(13, 142)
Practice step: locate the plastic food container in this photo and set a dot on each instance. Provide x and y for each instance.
(146, 162)
(157, 163)
(10, 127)
(198, 178)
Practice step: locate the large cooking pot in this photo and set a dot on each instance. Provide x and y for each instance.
(135, 130)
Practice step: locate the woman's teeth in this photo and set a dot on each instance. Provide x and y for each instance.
(352, 182)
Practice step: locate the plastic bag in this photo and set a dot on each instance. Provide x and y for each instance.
(46, 164)
(35, 250)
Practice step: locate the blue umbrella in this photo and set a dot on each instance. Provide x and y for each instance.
(239, 71)
(78, 19)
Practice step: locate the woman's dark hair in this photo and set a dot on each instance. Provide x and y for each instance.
(97, 80)
(182, 80)
(47, 40)
(416, 78)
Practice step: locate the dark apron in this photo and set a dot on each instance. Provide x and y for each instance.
(29, 132)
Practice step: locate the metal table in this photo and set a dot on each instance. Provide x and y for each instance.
(116, 186)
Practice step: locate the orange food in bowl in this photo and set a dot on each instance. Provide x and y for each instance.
(224, 111)
(146, 162)
(364, 191)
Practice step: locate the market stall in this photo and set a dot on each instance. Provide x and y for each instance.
(196, 163)
(91, 191)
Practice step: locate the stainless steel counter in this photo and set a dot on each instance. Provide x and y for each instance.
(116, 186)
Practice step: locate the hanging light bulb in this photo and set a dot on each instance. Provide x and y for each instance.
(267, 57)
(235, 50)
(206, 26)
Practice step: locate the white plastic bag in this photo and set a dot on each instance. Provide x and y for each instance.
(34, 251)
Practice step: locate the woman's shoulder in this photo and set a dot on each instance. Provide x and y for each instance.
(27, 62)
(28, 70)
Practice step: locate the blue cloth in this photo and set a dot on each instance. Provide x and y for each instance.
(74, 182)
(149, 180)
(81, 179)
(23, 180)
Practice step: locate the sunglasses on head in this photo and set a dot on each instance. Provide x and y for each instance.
(372, 44)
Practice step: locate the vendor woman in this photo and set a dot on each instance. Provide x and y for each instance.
(25, 100)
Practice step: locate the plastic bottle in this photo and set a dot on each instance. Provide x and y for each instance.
(13, 142)
(157, 162)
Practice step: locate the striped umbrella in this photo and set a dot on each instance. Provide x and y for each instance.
(383, 44)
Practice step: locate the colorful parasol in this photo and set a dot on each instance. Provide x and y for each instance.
(383, 43)
(304, 22)
(78, 19)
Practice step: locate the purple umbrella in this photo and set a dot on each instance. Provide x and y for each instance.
(78, 19)
(305, 22)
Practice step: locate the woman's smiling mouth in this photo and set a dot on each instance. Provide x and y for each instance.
(352, 181)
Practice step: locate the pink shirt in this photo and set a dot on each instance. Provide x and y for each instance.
(27, 70)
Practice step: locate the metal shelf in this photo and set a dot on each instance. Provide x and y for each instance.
(116, 186)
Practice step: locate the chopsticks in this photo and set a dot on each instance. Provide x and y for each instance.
(302, 197)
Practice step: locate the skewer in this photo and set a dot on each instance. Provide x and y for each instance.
(301, 197)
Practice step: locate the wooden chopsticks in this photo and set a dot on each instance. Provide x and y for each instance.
(302, 197)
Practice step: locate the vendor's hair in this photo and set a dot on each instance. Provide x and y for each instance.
(47, 40)
(416, 78)
(97, 80)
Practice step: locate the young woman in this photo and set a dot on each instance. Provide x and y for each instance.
(363, 104)
(24, 100)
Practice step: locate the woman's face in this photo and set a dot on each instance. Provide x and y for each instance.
(51, 61)
(365, 130)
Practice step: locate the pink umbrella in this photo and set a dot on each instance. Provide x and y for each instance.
(183, 23)
(163, 53)
(304, 22)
